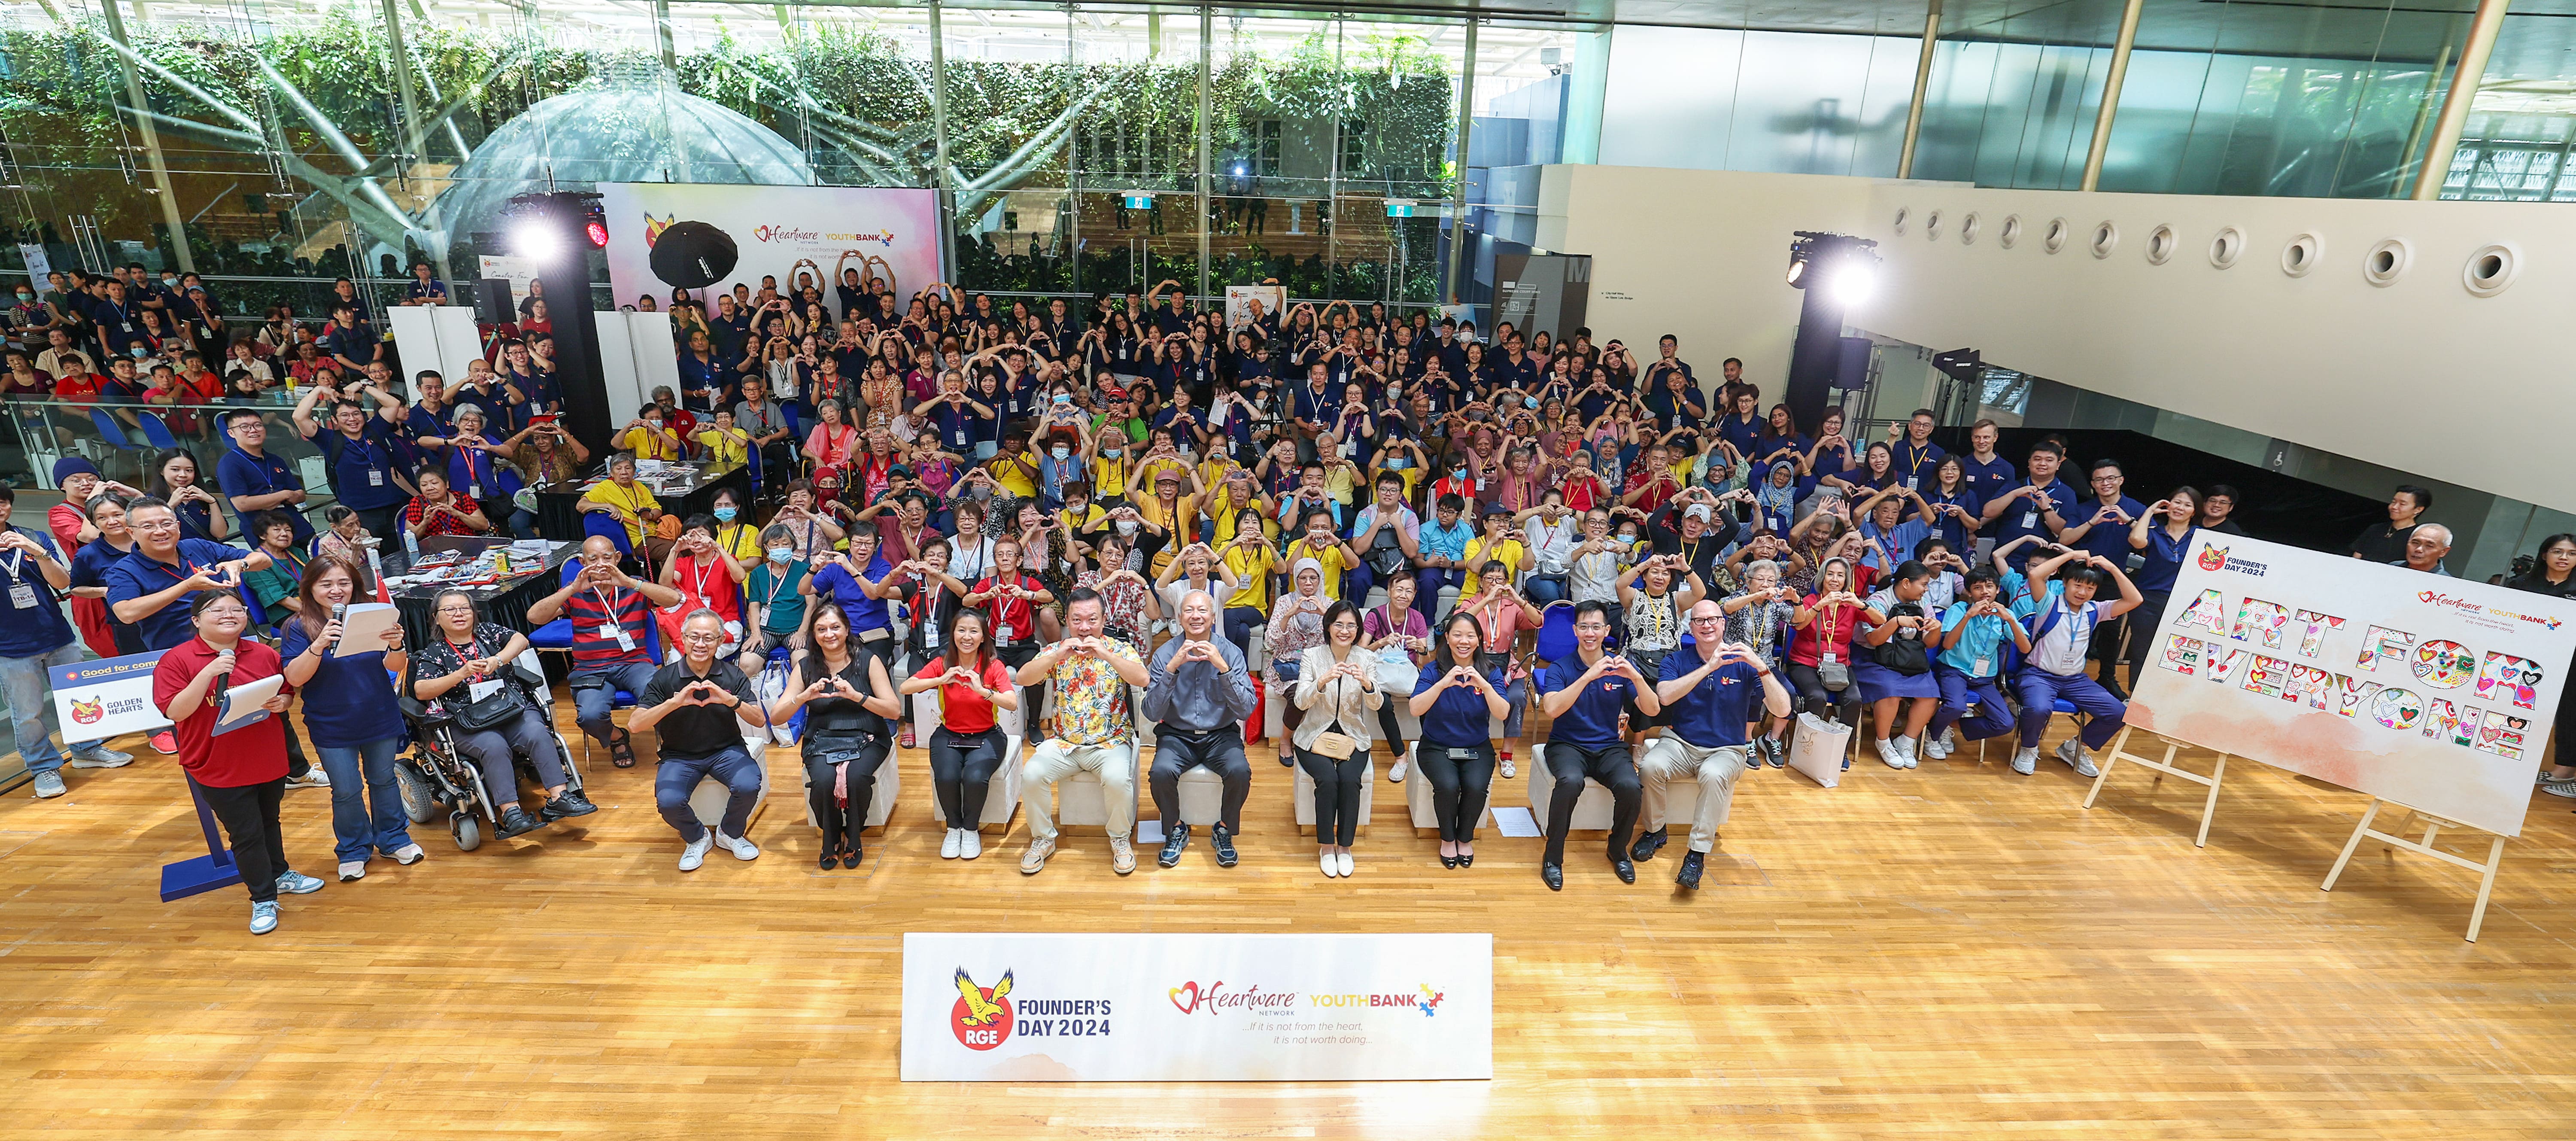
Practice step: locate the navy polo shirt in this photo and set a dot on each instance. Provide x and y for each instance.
(2164, 559)
(241, 473)
(2109, 538)
(2023, 515)
(350, 700)
(1915, 467)
(138, 575)
(1593, 719)
(1988, 478)
(362, 470)
(1713, 714)
(478, 475)
(37, 629)
(1458, 719)
(423, 422)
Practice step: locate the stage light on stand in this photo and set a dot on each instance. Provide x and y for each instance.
(595, 227)
(1834, 271)
(536, 238)
(1852, 282)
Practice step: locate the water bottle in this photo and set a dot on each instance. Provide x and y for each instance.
(411, 549)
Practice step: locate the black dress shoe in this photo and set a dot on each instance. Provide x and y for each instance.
(1627, 871)
(1172, 845)
(1467, 859)
(515, 821)
(1691, 865)
(1647, 845)
(572, 803)
(830, 859)
(850, 859)
(1223, 841)
(1449, 862)
(1553, 875)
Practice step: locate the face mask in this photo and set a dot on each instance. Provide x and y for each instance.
(1627, 537)
(724, 514)
(1126, 527)
(656, 425)
(1398, 463)
(781, 554)
(1062, 452)
(140, 352)
(1062, 398)
(24, 298)
(1530, 401)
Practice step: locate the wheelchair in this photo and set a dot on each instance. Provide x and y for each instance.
(437, 775)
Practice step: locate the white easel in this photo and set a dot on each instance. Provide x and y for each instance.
(2119, 752)
(2433, 826)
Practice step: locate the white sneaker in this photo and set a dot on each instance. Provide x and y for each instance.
(1396, 775)
(949, 845)
(49, 784)
(741, 848)
(313, 778)
(1937, 748)
(1887, 753)
(2566, 788)
(1344, 859)
(1905, 747)
(352, 871)
(293, 882)
(2072, 752)
(2026, 761)
(970, 843)
(409, 854)
(1332, 866)
(696, 853)
(263, 917)
(102, 759)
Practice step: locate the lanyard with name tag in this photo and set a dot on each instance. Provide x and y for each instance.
(613, 628)
(22, 595)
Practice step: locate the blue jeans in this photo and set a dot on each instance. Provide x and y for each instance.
(385, 830)
(1544, 589)
(1427, 584)
(2040, 690)
(1958, 691)
(1517, 696)
(1239, 621)
(522, 523)
(594, 692)
(31, 706)
(679, 776)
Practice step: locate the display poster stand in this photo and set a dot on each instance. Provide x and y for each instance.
(198, 875)
(2433, 826)
(2118, 752)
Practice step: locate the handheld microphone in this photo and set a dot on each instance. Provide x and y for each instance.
(215, 692)
(339, 614)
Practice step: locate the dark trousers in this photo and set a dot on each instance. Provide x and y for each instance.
(1221, 750)
(2040, 690)
(1337, 794)
(679, 776)
(1239, 621)
(2142, 623)
(2106, 648)
(249, 816)
(1458, 788)
(1811, 688)
(824, 770)
(494, 751)
(1614, 768)
(961, 769)
(1958, 692)
(383, 522)
(1031, 696)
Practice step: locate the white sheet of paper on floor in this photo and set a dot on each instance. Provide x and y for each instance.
(1513, 820)
(1149, 832)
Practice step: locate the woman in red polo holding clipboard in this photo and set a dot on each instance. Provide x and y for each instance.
(243, 777)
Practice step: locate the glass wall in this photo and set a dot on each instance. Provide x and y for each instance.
(2523, 125)
(1735, 99)
(2014, 92)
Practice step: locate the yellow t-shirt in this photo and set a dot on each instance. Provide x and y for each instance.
(1016, 477)
(1330, 557)
(1412, 478)
(1092, 515)
(725, 448)
(1109, 476)
(1479, 550)
(1146, 472)
(1337, 483)
(1251, 567)
(634, 499)
(1223, 518)
(648, 444)
(739, 540)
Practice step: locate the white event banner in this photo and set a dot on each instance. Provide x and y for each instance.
(1129, 1007)
(890, 233)
(106, 698)
(2425, 690)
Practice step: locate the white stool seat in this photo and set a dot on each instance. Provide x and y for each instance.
(1001, 797)
(888, 782)
(1592, 812)
(711, 797)
(1418, 794)
(1202, 795)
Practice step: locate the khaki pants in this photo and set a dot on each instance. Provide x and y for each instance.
(1056, 760)
(1715, 769)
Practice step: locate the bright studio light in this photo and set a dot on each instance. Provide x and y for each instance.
(534, 238)
(1797, 269)
(1853, 281)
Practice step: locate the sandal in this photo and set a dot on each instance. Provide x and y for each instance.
(621, 750)
(907, 739)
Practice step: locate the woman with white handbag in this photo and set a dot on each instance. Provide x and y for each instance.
(1820, 660)
(1336, 687)
(1401, 638)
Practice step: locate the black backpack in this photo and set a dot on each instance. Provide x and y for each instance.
(1904, 651)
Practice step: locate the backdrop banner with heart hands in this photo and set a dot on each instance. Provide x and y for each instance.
(2420, 689)
(1152, 1007)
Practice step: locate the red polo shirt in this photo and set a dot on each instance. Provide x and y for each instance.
(248, 755)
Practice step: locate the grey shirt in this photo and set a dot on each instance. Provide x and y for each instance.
(1198, 698)
(769, 418)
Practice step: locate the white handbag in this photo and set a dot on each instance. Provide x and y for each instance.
(1816, 748)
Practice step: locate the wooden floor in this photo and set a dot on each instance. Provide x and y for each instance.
(1953, 951)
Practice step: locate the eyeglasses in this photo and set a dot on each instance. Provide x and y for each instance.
(223, 612)
(162, 525)
(697, 639)
(456, 610)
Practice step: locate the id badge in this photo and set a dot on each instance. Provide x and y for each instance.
(474, 491)
(1827, 659)
(375, 477)
(2029, 519)
(1462, 756)
(1983, 667)
(625, 641)
(22, 595)
(478, 690)
(930, 636)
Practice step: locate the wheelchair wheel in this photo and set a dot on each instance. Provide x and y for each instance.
(419, 800)
(468, 830)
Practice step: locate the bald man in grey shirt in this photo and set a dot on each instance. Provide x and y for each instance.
(1198, 695)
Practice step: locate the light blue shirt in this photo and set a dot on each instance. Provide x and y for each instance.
(1980, 641)
(1447, 543)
